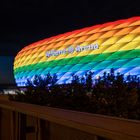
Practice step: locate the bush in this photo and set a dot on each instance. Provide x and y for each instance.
(110, 94)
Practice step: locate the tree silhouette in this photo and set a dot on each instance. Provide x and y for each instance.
(75, 79)
(111, 94)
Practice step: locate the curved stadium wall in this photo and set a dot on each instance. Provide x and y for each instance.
(98, 48)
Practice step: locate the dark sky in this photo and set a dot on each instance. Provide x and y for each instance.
(25, 21)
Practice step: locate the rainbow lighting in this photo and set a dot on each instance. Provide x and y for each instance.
(98, 48)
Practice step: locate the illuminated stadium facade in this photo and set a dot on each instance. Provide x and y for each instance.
(98, 48)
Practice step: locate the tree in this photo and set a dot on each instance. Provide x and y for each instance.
(48, 79)
(54, 80)
(89, 81)
(29, 83)
(75, 79)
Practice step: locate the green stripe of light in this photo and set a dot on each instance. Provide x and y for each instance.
(90, 60)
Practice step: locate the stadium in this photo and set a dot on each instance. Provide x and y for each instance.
(98, 48)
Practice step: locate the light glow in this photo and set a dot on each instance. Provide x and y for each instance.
(118, 47)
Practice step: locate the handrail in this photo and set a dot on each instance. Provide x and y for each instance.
(100, 125)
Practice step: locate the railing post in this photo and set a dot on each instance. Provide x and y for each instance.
(22, 126)
(17, 125)
(44, 130)
(13, 125)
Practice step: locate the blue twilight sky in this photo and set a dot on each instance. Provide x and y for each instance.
(6, 70)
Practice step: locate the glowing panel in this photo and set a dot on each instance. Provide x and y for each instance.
(98, 48)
